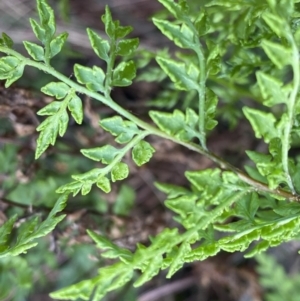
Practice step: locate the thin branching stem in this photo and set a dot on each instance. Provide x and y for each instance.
(123, 151)
(202, 82)
(257, 185)
(149, 129)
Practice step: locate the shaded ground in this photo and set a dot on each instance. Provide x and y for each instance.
(222, 278)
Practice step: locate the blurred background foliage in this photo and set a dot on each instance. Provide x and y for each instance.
(134, 210)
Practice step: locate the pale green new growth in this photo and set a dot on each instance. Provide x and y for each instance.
(255, 210)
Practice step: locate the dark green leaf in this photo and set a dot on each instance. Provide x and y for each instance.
(214, 58)
(122, 31)
(182, 35)
(248, 207)
(38, 30)
(57, 123)
(63, 123)
(183, 78)
(124, 130)
(262, 123)
(108, 22)
(57, 89)
(174, 8)
(123, 74)
(270, 166)
(35, 51)
(171, 123)
(202, 23)
(6, 41)
(11, 69)
(176, 123)
(50, 109)
(75, 107)
(93, 78)
(288, 209)
(127, 47)
(15, 75)
(282, 8)
(5, 231)
(57, 43)
(47, 19)
(52, 220)
(26, 230)
(271, 89)
(104, 154)
(7, 66)
(100, 46)
(211, 103)
(276, 23)
(278, 54)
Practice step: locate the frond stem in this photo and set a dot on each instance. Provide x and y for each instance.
(107, 100)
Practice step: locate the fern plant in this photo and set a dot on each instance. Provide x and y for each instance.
(257, 53)
(272, 273)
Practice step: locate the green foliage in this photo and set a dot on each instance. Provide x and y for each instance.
(177, 124)
(272, 274)
(29, 231)
(93, 78)
(124, 201)
(16, 273)
(255, 210)
(142, 152)
(45, 33)
(58, 121)
(11, 69)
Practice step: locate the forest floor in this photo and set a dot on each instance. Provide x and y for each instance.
(225, 277)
